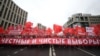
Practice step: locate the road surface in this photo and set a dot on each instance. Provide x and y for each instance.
(48, 50)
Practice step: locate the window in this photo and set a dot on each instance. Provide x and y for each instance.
(5, 25)
(8, 3)
(81, 18)
(11, 16)
(5, 1)
(17, 19)
(86, 19)
(25, 20)
(1, 0)
(14, 18)
(14, 7)
(5, 13)
(0, 13)
(2, 10)
(84, 24)
(2, 23)
(21, 13)
(9, 24)
(12, 24)
(8, 15)
(22, 21)
(11, 5)
(18, 10)
(0, 3)
(77, 19)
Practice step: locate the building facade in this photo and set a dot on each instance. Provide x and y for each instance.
(11, 14)
(40, 26)
(83, 20)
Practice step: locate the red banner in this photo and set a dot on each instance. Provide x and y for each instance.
(57, 41)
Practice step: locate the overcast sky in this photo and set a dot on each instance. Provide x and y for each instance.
(49, 12)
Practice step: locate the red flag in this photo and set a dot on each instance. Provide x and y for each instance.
(35, 30)
(24, 32)
(80, 31)
(41, 32)
(19, 27)
(10, 28)
(71, 30)
(27, 29)
(28, 24)
(57, 28)
(96, 29)
(48, 31)
(65, 31)
(1, 30)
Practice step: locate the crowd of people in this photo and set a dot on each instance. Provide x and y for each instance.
(58, 31)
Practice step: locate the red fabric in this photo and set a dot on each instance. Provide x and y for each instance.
(65, 31)
(1, 30)
(28, 28)
(24, 32)
(35, 31)
(96, 29)
(48, 31)
(19, 27)
(80, 31)
(41, 32)
(10, 28)
(55, 41)
(71, 30)
(28, 24)
(57, 28)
